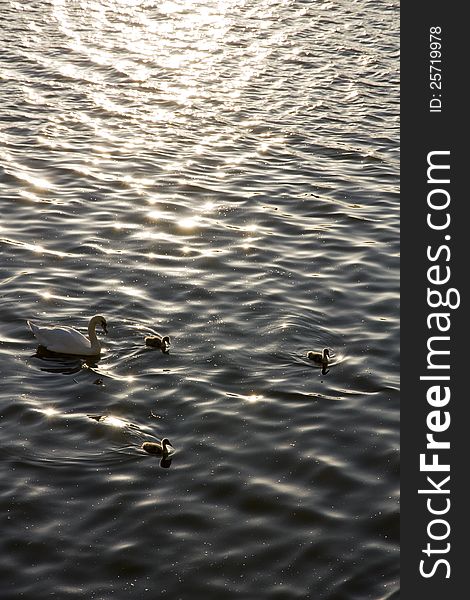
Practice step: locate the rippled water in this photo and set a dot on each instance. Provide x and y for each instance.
(224, 172)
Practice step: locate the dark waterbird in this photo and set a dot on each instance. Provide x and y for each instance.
(158, 448)
(157, 341)
(320, 358)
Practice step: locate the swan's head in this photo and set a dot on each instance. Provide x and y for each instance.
(326, 353)
(165, 340)
(102, 322)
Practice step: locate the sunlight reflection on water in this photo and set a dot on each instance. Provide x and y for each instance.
(225, 173)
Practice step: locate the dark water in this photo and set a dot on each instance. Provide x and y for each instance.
(225, 172)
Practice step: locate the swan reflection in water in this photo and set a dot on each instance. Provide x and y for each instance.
(66, 364)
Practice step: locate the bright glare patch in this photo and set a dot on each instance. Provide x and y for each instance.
(146, 235)
(189, 223)
(30, 196)
(208, 206)
(210, 252)
(253, 398)
(130, 226)
(49, 412)
(133, 291)
(170, 7)
(248, 243)
(114, 421)
(37, 182)
(154, 215)
(108, 105)
(264, 147)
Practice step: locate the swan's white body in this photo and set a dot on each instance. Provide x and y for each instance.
(66, 340)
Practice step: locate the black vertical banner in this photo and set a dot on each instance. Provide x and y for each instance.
(435, 366)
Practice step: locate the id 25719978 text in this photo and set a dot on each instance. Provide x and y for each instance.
(435, 69)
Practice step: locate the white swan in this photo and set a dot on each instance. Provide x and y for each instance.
(66, 340)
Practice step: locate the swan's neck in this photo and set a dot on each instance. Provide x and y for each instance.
(92, 334)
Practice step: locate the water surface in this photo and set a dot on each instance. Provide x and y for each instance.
(224, 172)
